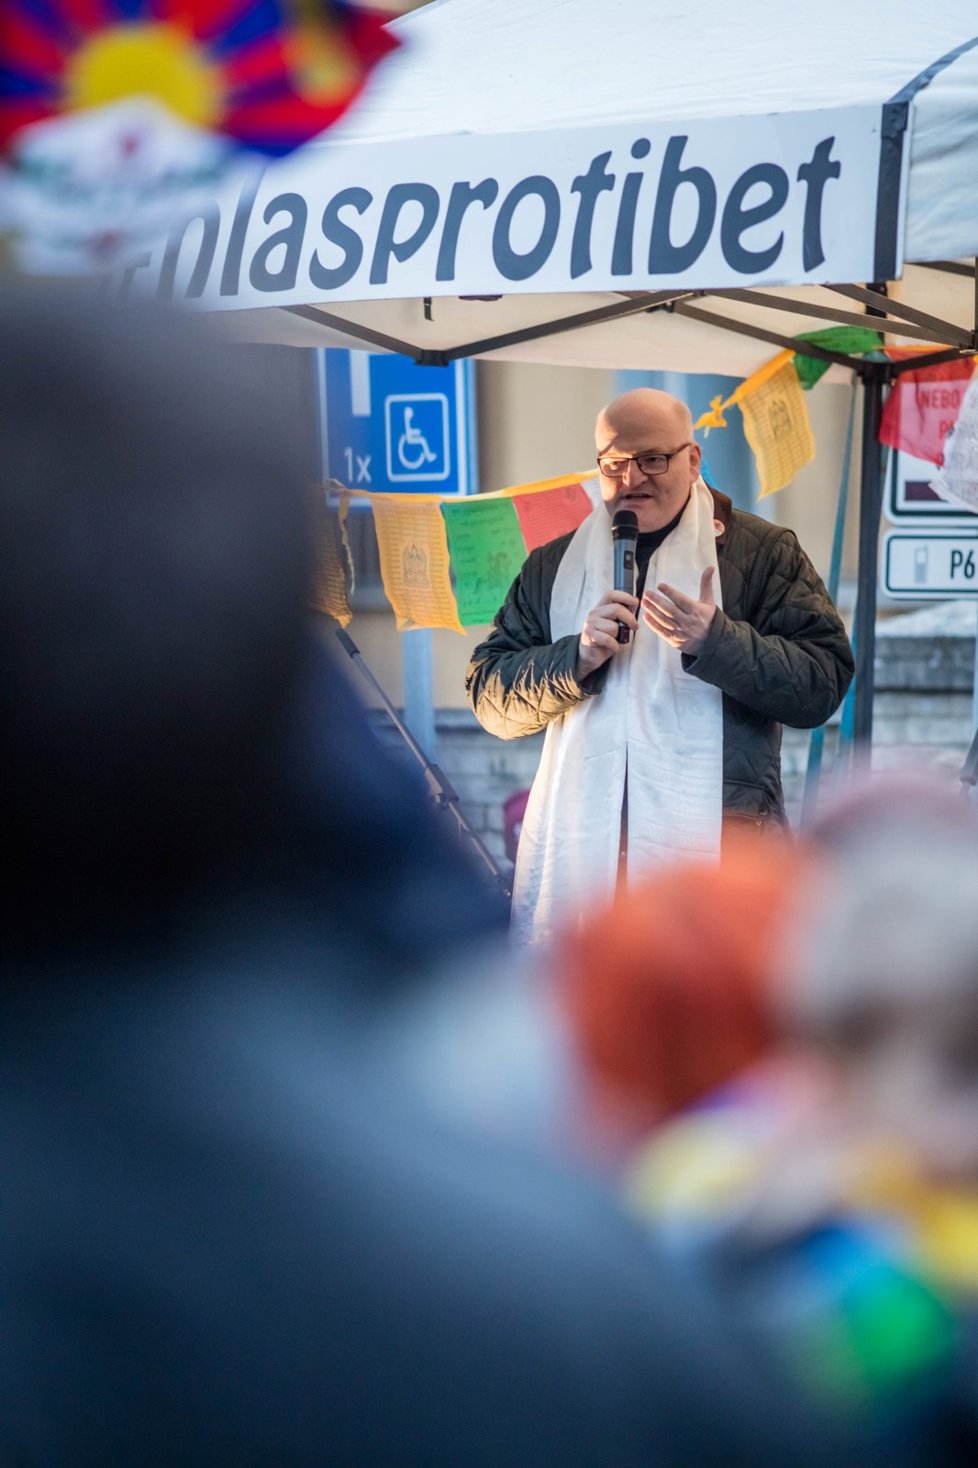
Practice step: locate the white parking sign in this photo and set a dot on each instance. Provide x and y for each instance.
(921, 565)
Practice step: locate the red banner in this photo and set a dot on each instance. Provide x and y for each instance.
(923, 407)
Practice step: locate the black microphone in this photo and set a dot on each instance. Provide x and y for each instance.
(624, 538)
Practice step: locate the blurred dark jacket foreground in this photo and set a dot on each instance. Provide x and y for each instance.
(226, 1241)
(226, 1238)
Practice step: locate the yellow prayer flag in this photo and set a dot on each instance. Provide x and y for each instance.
(333, 568)
(713, 417)
(776, 423)
(414, 561)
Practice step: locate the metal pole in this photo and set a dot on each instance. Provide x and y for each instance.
(419, 687)
(440, 787)
(870, 509)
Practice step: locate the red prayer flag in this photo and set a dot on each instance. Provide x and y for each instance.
(551, 512)
(923, 407)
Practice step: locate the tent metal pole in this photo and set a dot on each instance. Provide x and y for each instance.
(870, 510)
(363, 334)
(950, 267)
(952, 336)
(634, 305)
(762, 334)
(928, 359)
(901, 310)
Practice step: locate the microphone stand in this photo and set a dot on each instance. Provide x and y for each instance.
(440, 787)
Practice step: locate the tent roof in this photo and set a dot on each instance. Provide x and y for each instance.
(475, 68)
(564, 63)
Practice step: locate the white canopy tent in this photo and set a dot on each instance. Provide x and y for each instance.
(629, 184)
(471, 73)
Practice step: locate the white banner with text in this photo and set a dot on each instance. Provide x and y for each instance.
(748, 201)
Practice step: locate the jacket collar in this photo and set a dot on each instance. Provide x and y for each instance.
(722, 511)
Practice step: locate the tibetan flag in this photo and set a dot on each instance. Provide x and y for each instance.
(120, 120)
(487, 550)
(923, 406)
(544, 514)
(414, 561)
(776, 423)
(333, 564)
(268, 74)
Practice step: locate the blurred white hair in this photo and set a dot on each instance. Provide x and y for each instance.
(890, 918)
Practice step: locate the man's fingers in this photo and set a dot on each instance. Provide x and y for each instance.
(618, 612)
(661, 603)
(668, 630)
(668, 634)
(624, 598)
(661, 607)
(677, 618)
(655, 617)
(677, 597)
(603, 632)
(622, 614)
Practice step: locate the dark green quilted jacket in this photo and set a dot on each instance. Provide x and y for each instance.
(777, 651)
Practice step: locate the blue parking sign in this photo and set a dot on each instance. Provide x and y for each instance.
(416, 434)
(390, 425)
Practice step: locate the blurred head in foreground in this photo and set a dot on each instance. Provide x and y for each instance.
(154, 521)
(167, 720)
(668, 990)
(882, 970)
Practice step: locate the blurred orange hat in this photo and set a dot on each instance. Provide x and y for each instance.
(668, 990)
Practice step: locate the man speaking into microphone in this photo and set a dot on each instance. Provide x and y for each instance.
(663, 702)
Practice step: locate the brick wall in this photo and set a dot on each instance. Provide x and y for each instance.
(925, 671)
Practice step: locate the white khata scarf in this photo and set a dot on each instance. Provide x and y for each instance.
(652, 719)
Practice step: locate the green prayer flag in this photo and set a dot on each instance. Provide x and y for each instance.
(487, 549)
(853, 340)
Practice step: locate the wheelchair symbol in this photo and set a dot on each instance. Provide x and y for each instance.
(417, 436)
(412, 446)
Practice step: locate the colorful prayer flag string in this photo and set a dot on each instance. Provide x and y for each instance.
(448, 560)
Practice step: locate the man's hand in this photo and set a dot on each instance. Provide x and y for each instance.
(677, 618)
(599, 635)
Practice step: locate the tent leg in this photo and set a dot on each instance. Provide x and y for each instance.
(870, 510)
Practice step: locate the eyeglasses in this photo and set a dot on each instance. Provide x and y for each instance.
(615, 466)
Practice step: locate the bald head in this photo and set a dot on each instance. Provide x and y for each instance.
(644, 413)
(650, 434)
